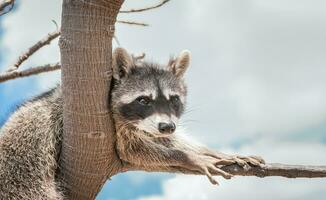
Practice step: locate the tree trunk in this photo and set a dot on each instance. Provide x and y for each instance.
(87, 156)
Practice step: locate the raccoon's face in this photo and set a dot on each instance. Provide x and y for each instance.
(146, 96)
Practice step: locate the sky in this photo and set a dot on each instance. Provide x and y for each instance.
(256, 85)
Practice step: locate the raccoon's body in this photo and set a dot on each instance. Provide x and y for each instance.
(29, 147)
(147, 100)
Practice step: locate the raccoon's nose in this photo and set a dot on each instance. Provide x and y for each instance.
(166, 127)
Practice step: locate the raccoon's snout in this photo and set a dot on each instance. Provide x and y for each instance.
(166, 127)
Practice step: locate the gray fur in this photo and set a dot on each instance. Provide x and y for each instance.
(29, 147)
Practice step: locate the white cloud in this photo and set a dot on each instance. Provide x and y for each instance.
(198, 188)
(257, 69)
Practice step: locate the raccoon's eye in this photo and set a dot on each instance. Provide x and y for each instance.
(175, 99)
(143, 100)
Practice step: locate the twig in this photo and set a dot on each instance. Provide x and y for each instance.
(41, 69)
(29, 72)
(4, 4)
(45, 41)
(145, 9)
(44, 68)
(132, 23)
(56, 24)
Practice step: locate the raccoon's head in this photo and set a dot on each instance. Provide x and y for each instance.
(147, 96)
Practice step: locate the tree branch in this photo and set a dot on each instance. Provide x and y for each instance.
(5, 4)
(11, 74)
(144, 9)
(29, 72)
(44, 68)
(45, 41)
(132, 23)
(273, 169)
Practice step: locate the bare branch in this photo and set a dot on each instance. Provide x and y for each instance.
(45, 41)
(4, 4)
(44, 68)
(273, 169)
(56, 24)
(132, 23)
(144, 9)
(29, 72)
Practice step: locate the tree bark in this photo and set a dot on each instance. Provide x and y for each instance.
(88, 155)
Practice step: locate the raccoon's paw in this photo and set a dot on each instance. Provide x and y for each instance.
(208, 166)
(250, 160)
(243, 161)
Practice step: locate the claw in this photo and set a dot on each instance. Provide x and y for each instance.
(259, 159)
(219, 171)
(240, 161)
(225, 162)
(253, 160)
(210, 177)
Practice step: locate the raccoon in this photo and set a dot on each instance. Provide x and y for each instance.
(147, 100)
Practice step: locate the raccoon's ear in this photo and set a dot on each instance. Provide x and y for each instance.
(121, 63)
(180, 65)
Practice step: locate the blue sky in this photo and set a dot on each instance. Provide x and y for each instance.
(256, 86)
